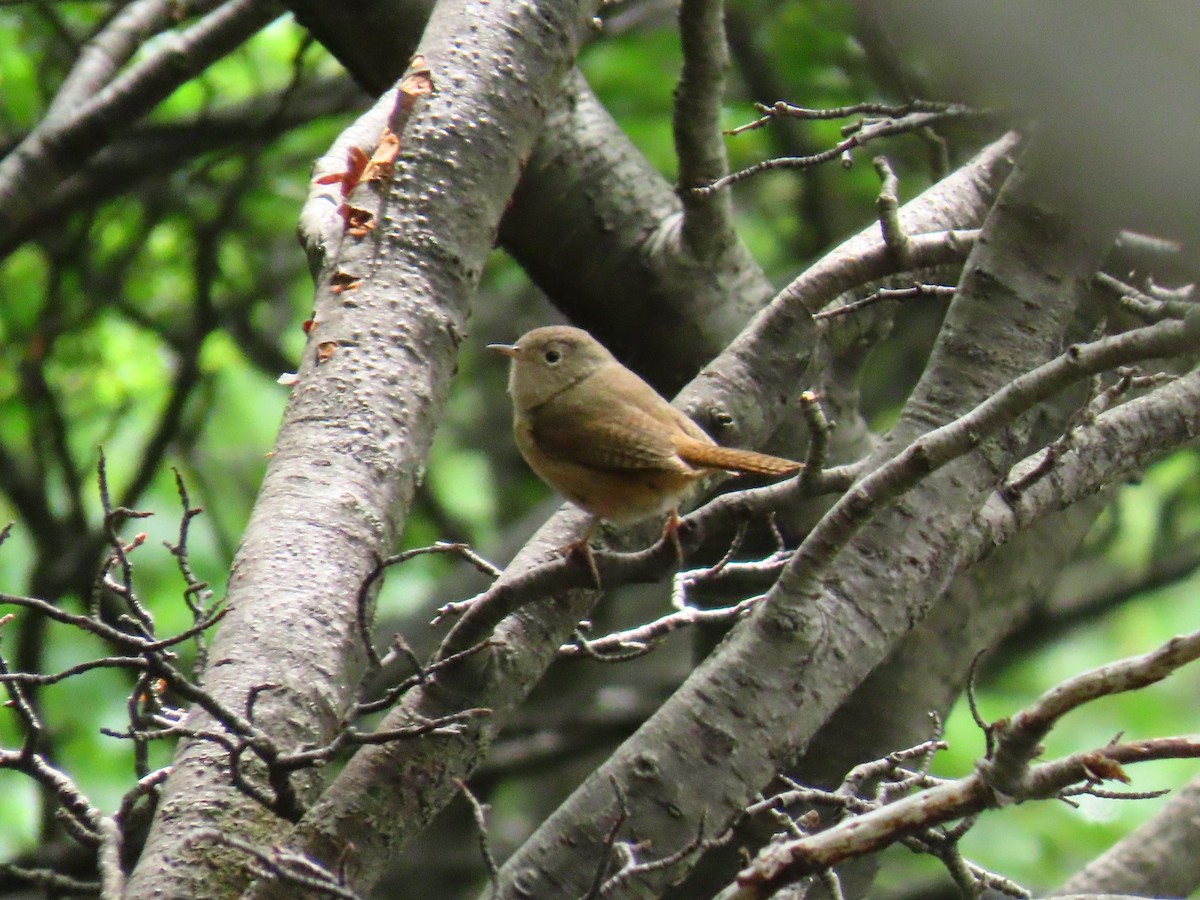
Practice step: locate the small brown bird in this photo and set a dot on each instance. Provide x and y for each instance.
(597, 433)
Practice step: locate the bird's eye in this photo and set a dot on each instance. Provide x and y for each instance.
(552, 356)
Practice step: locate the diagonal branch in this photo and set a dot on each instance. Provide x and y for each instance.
(60, 146)
(937, 448)
(117, 42)
(780, 864)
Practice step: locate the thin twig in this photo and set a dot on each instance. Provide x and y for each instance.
(479, 813)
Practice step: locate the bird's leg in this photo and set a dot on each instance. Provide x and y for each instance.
(671, 532)
(583, 549)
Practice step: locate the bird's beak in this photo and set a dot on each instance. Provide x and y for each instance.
(509, 350)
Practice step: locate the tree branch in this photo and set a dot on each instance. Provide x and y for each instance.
(60, 146)
(359, 424)
(707, 219)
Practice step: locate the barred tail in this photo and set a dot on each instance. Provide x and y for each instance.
(713, 456)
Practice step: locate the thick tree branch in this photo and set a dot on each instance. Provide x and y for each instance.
(1118, 446)
(744, 394)
(586, 193)
(661, 308)
(936, 448)
(359, 424)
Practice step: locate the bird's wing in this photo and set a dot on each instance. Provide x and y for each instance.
(608, 437)
(627, 425)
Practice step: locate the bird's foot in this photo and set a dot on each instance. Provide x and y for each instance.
(583, 550)
(671, 533)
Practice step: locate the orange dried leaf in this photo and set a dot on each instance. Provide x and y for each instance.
(380, 166)
(344, 281)
(356, 161)
(358, 221)
(1101, 768)
(325, 351)
(419, 80)
(417, 83)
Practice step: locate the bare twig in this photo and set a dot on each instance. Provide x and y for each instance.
(196, 593)
(112, 876)
(859, 134)
(610, 840)
(632, 868)
(888, 205)
(631, 643)
(781, 109)
(819, 430)
(114, 517)
(883, 294)
(53, 883)
(351, 737)
(1146, 307)
(365, 593)
(479, 813)
(394, 693)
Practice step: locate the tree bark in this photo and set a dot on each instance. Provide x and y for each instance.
(359, 424)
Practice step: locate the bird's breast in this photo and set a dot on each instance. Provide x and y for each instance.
(615, 494)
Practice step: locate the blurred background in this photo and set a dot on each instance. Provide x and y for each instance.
(149, 311)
